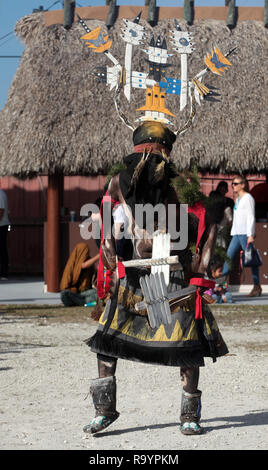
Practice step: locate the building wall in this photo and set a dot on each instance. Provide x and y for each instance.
(27, 208)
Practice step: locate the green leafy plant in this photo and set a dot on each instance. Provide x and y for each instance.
(219, 255)
(187, 187)
(114, 170)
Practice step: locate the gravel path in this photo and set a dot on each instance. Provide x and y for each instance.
(46, 369)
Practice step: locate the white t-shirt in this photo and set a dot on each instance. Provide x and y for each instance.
(119, 215)
(244, 216)
(3, 205)
(120, 219)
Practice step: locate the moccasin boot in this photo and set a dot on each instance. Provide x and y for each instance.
(191, 413)
(103, 392)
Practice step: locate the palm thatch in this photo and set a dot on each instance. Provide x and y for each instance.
(58, 118)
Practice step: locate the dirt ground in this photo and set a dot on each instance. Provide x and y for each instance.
(46, 369)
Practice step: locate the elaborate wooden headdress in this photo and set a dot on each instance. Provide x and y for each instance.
(155, 82)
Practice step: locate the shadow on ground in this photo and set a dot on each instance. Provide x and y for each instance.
(253, 418)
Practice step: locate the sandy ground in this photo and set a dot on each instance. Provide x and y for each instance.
(46, 368)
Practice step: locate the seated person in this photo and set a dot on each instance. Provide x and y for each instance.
(220, 294)
(76, 283)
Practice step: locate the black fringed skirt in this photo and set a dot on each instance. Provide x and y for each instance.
(185, 342)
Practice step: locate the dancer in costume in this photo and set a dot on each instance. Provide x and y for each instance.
(187, 340)
(190, 333)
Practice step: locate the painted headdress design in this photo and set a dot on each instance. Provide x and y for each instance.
(156, 82)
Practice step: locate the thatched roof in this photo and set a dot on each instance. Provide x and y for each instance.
(59, 118)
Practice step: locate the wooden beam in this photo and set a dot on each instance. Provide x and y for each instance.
(266, 13)
(189, 11)
(68, 18)
(52, 261)
(152, 15)
(231, 14)
(112, 14)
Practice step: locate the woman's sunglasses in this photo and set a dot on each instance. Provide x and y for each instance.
(235, 184)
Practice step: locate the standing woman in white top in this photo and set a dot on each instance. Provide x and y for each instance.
(243, 228)
(4, 223)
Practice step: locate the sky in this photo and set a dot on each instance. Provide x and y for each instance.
(12, 10)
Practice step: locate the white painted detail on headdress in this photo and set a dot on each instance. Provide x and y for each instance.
(201, 74)
(113, 59)
(132, 34)
(141, 80)
(182, 42)
(154, 116)
(183, 45)
(128, 63)
(184, 82)
(138, 79)
(157, 55)
(197, 95)
(113, 74)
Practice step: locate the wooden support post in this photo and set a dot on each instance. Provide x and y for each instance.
(152, 16)
(266, 13)
(69, 7)
(112, 13)
(231, 14)
(188, 11)
(53, 234)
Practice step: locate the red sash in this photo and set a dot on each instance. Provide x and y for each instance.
(200, 282)
(104, 275)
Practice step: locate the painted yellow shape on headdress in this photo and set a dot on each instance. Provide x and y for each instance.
(216, 61)
(154, 128)
(155, 101)
(202, 89)
(97, 41)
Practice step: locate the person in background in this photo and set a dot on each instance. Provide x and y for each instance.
(224, 227)
(243, 228)
(223, 217)
(4, 223)
(222, 188)
(76, 283)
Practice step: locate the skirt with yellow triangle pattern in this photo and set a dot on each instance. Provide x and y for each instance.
(185, 342)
